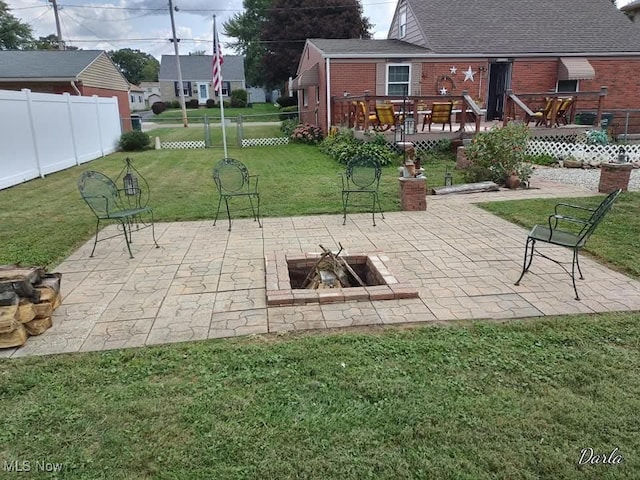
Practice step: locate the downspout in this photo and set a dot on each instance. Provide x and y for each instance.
(73, 85)
(328, 76)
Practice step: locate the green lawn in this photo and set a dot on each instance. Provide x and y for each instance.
(616, 241)
(260, 112)
(488, 401)
(478, 401)
(197, 132)
(47, 220)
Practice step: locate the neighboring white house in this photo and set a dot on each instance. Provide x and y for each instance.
(151, 88)
(136, 98)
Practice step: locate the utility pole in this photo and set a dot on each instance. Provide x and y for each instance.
(55, 13)
(180, 83)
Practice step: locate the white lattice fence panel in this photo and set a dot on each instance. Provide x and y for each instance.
(581, 151)
(423, 145)
(264, 142)
(187, 145)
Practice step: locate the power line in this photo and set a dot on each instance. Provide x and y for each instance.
(88, 30)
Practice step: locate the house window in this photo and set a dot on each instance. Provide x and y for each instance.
(140, 98)
(133, 99)
(305, 98)
(567, 86)
(318, 94)
(186, 88)
(402, 24)
(398, 80)
(226, 88)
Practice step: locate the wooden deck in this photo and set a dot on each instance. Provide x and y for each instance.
(437, 133)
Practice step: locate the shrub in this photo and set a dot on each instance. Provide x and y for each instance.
(288, 126)
(193, 103)
(211, 103)
(597, 137)
(173, 104)
(288, 113)
(307, 133)
(443, 145)
(286, 101)
(499, 153)
(542, 159)
(158, 107)
(134, 141)
(343, 146)
(239, 98)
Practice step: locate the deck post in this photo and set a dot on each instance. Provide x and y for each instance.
(507, 107)
(603, 93)
(463, 113)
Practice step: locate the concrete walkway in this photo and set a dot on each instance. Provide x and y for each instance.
(205, 282)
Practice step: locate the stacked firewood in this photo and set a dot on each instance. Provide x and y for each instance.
(332, 271)
(28, 297)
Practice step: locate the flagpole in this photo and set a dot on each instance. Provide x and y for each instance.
(216, 52)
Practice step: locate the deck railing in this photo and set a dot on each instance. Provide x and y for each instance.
(348, 111)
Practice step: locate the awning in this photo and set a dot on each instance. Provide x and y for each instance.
(307, 78)
(575, 68)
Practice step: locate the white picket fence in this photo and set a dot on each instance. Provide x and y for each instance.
(42, 133)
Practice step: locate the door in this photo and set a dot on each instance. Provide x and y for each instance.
(499, 77)
(203, 93)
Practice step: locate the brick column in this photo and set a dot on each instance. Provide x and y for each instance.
(614, 176)
(413, 193)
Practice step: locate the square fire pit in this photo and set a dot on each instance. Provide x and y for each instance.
(286, 273)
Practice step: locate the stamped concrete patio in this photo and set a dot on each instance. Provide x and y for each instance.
(205, 282)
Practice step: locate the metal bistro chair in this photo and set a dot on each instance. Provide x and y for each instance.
(362, 177)
(126, 206)
(233, 180)
(574, 239)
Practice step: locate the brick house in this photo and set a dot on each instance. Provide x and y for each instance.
(77, 72)
(197, 77)
(485, 47)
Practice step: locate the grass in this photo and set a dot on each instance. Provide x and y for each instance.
(47, 220)
(260, 112)
(616, 241)
(197, 132)
(486, 401)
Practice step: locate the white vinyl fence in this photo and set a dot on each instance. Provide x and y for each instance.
(42, 133)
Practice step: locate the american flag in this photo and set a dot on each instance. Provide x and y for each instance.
(217, 61)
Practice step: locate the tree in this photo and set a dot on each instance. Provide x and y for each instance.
(247, 27)
(198, 52)
(288, 26)
(14, 35)
(50, 42)
(136, 66)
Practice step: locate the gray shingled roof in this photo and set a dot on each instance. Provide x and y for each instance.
(367, 47)
(198, 67)
(63, 64)
(525, 26)
(631, 6)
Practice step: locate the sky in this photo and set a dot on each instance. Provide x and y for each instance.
(145, 25)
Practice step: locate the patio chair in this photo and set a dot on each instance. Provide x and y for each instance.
(543, 116)
(563, 110)
(233, 180)
(109, 203)
(363, 113)
(584, 222)
(440, 113)
(385, 117)
(362, 178)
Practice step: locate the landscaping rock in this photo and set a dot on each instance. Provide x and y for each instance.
(570, 163)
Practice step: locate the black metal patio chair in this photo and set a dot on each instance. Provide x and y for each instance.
(233, 180)
(362, 178)
(127, 206)
(584, 221)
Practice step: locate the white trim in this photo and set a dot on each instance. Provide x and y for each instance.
(439, 56)
(327, 74)
(386, 79)
(577, 86)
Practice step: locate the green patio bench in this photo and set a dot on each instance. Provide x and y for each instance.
(361, 179)
(584, 220)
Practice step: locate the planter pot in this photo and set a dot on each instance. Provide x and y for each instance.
(513, 182)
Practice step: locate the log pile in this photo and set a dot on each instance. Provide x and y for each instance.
(331, 271)
(28, 297)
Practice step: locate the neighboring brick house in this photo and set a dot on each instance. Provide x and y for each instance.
(482, 46)
(78, 72)
(197, 77)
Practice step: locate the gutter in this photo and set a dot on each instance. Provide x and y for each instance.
(435, 56)
(73, 85)
(328, 77)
